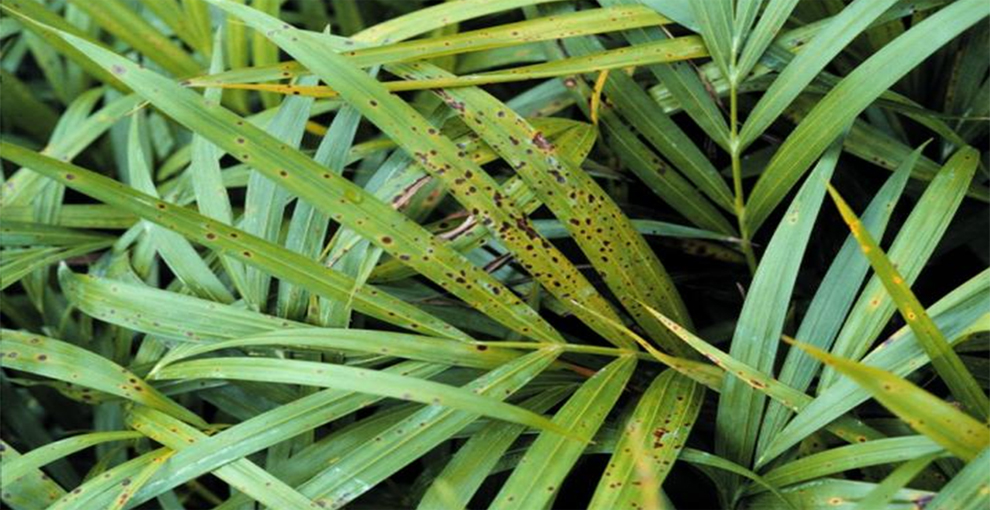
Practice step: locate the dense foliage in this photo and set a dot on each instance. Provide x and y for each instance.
(515, 254)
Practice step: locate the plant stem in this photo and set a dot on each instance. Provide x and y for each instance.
(736, 152)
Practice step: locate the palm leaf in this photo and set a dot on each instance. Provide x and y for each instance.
(850, 97)
(534, 482)
(663, 417)
(944, 424)
(956, 315)
(946, 362)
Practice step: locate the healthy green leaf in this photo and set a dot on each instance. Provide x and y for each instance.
(848, 99)
(539, 474)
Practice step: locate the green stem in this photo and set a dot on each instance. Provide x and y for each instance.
(736, 153)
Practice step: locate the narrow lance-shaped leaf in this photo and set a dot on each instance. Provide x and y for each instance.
(851, 96)
(15, 233)
(950, 368)
(465, 181)
(577, 200)
(242, 473)
(165, 314)
(826, 492)
(663, 180)
(761, 321)
(52, 358)
(238, 244)
(814, 56)
(646, 451)
(573, 24)
(424, 348)
(345, 202)
(207, 182)
(108, 483)
(119, 19)
(832, 301)
(849, 457)
(684, 84)
(757, 41)
(134, 483)
(403, 176)
(715, 20)
(967, 490)
(267, 429)
(914, 244)
(704, 459)
(929, 415)
(662, 51)
(177, 252)
(538, 477)
(844, 427)
(14, 469)
(957, 314)
(880, 497)
(24, 185)
(20, 263)
(41, 13)
(265, 201)
(356, 379)
(472, 464)
(308, 226)
(436, 16)
(410, 438)
(667, 136)
(33, 491)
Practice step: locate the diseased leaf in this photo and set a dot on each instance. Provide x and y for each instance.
(958, 313)
(650, 443)
(916, 241)
(52, 358)
(236, 243)
(301, 175)
(961, 383)
(924, 412)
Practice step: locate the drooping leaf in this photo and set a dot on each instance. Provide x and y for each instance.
(59, 360)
